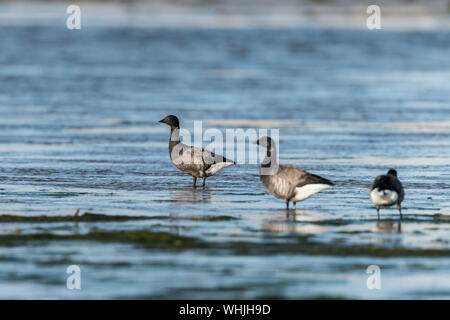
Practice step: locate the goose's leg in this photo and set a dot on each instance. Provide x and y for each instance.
(294, 205)
(399, 207)
(287, 204)
(195, 182)
(204, 182)
(378, 211)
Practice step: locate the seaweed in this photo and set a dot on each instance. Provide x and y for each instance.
(146, 238)
(97, 217)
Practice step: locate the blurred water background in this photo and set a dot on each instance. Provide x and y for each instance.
(79, 131)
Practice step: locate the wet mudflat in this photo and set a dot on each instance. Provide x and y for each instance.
(79, 131)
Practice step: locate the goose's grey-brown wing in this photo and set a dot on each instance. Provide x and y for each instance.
(285, 182)
(300, 177)
(211, 158)
(303, 183)
(310, 178)
(214, 162)
(198, 161)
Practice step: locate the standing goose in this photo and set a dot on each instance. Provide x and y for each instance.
(199, 163)
(287, 182)
(387, 190)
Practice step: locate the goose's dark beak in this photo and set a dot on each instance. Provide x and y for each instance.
(255, 142)
(162, 121)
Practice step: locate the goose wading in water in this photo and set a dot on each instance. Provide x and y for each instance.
(287, 182)
(197, 162)
(386, 191)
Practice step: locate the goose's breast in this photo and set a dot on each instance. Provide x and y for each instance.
(277, 186)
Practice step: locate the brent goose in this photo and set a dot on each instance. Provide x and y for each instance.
(287, 182)
(199, 163)
(387, 190)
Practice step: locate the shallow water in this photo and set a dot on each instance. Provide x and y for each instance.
(79, 130)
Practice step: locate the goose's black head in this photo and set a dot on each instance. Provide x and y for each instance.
(265, 142)
(172, 121)
(393, 172)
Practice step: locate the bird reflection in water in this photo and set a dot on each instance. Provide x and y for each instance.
(297, 222)
(189, 197)
(388, 227)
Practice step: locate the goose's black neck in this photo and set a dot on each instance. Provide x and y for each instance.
(175, 134)
(174, 137)
(270, 161)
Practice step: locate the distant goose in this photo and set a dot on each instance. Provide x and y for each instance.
(287, 182)
(387, 190)
(199, 163)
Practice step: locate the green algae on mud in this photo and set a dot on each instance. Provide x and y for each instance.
(97, 217)
(303, 244)
(150, 239)
(439, 217)
(86, 217)
(436, 218)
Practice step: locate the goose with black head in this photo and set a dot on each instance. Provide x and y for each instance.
(197, 162)
(287, 182)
